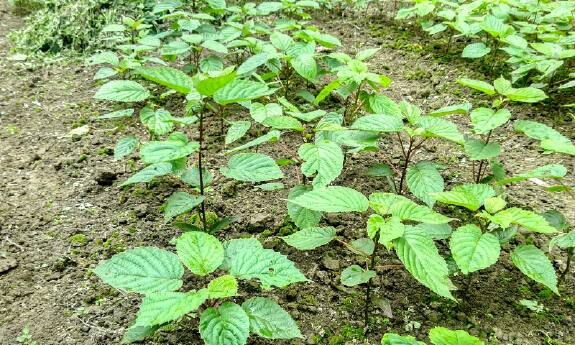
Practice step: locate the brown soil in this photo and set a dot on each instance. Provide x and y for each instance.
(62, 212)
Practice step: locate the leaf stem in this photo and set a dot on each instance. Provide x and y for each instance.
(570, 254)
(200, 167)
(405, 165)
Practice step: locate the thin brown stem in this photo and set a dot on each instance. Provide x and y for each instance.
(200, 167)
(570, 253)
(405, 165)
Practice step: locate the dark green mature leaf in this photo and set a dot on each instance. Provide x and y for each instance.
(252, 167)
(241, 90)
(423, 179)
(306, 66)
(168, 150)
(237, 130)
(253, 62)
(333, 199)
(271, 136)
(324, 158)
(435, 127)
(161, 307)
(122, 91)
(227, 324)
(169, 77)
(478, 150)
(269, 320)
(302, 217)
(143, 269)
(379, 123)
(310, 238)
(533, 263)
(180, 202)
(404, 209)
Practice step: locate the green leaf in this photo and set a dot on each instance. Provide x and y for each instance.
(362, 246)
(485, 119)
(168, 77)
(502, 85)
(423, 179)
(475, 50)
(122, 91)
(473, 250)
(333, 199)
(125, 146)
(302, 217)
(444, 336)
(223, 287)
(527, 219)
(159, 122)
(420, 256)
(470, 196)
(366, 54)
(326, 91)
(404, 209)
(164, 151)
(305, 66)
(237, 130)
(478, 150)
(148, 173)
(310, 238)
(324, 158)
(211, 63)
(253, 62)
(563, 241)
(381, 104)
(494, 204)
(283, 122)
(209, 86)
(215, 46)
(355, 275)
(390, 230)
(395, 339)
(241, 90)
(226, 325)
(143, 270)
(462, 108)
(440, 128)
(436, 231)
(252, 167)
(247, 259)
(271, 186)
(526, 95)
(555, 171)
(180, 202)
(260, 112)
(379, 123)
(116, 114)
(380, 170)
(202, 253)
(539, 131)
(105, 72)
(280, 40)
(269, 320)
(558, 146)
(477, 85)
(272, 136)
(533, 263)
(138, 333)
(161, 307)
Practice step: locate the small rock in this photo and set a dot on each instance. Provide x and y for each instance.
(80, 131)
(7, 264)
(106, 178)
(141, 210)
(330, 263)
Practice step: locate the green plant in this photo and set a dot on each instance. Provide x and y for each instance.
(157, 274)
(25, 337)
(437, 335)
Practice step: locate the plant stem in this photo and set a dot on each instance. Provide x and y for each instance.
(405, 165)
(570, 253)
(481, 164)
(200, 167)
(368, 287)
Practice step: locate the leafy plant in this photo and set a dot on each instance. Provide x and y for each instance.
(437, 335)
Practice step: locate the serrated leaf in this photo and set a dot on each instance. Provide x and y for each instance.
(168, 150)
(563, 241)
(125, 146)
(485, 119)
(477, 85)
(122, 91)
(539, 131)
(202, 253)
(253, 62)
(420, 256)
(306, 66)
(333, 199)
(479, 150)
(302, 217)
(527, 219)
(494, 204)
(138, 333)
(104, 73)
(180, 202)
(555, 171)
(558, 146)
(423, 179)
(324, 158)
(475, 50)
(355, 275)
(269, 320)
(470, 196)
(252, 167)
(260, 112)
(310, 238)
(161, 307)
(473, 250)
(237, 130)
(240, 90)
(526, 95)
(168, 77)
(215, 46)
(440, 128)
(159, 122)
(148, 173)
(436, 231)
(280, 40)
(378, 123)
(209, 86)
(247, 259)
(444, 336)
(272, 136)
(326, 91)
(226, 325)
(283, 122)
(396, 339)
(533, 263)
(463, 108)
(223, 287)
(191, 176)
(381, 104)
(362, 246)
(143, 270)
(116, 114)
(404, 209)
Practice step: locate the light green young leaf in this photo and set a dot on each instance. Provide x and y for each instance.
(209, 86)
(116, 114)
(527, 219)
(125, 146)
(122, 91)
(554, 171)
(533, 263)
(423, 179)
(168, 77)
(444, 336)
(381, 104)
(396, 339)
(539, 131)
(237, 130)
(168, 150)
(158, 122)
(494, 204)
(215, 46)
(324, 158)
(247, 259)
(253, 62)
(420, 256)
(477, 85)
(478, 150)
(355, 275)
(148, 173)
(462, 108)
(378, 123)
(526, 95)
(180, 202)
(333, 199)
(558, 146)
(272, 136)
(391, 230)
(143, 270)
(470, 196)
(366, 54)
(260, 112)
(227, 324)
(105, 72)
(223, 287)
(306, 66)
(252, 167)
(161, 307)
(310, 238)
(302, 217)
(404, 209)
(138, 333)
(435, 127)
(326, 91)
(485, 119)
(280, 40)
(475, 50)
(436, 231)
(563, 241)
(269, 320)
(283, 122)
(202, 253)
(241, 90)
(473, 250)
